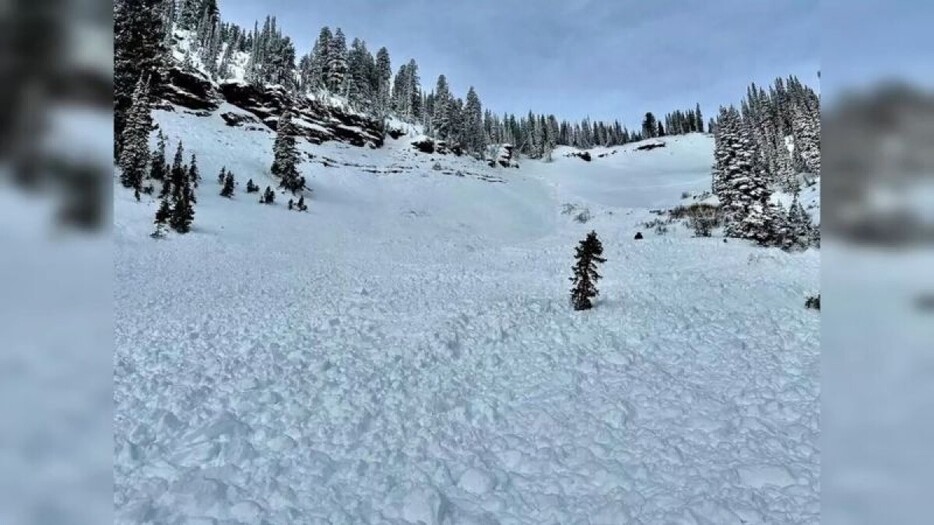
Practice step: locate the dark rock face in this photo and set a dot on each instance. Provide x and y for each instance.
(638, 236)
(189, 89)
(317, 122)
(429, 146)
(238, 119)
(425, 145)
(504, 157)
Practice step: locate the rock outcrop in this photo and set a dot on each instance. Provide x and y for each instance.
(317, 122)
(429, 145)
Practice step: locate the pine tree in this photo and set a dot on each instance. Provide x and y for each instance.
(588, 255)
(193, 174)
(135, 153)
(251, 187)
(285, 155)
(801, 228)
(139, 52)
(383, 75)
(321, 59)
(229, 184)
(649, 126)
(269, 197)
(183, 199)
(158, 168)
(699, 118)
(337, 64)
(164, 212)
(475, 139)
(441, 111)
(301, 203)
(222, 176)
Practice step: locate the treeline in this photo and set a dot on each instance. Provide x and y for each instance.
(144, 32)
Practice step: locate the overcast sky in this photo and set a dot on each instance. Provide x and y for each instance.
(606, 59)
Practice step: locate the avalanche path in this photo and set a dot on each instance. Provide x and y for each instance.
(405, 353)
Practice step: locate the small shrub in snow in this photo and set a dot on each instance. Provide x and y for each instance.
(585, 276)
(638, 236)
(685, 194)
(812, 302)
(251, 187)
(301, 204)
(583, 217)
(269, 196)
(702, 226)
(436, 166)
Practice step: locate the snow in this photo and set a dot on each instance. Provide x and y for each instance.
(404, 352)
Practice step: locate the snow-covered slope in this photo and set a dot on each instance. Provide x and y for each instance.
(405, 352)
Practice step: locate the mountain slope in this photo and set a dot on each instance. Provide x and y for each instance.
(405, 352)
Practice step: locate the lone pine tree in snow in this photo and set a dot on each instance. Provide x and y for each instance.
(229, 183)
(285, 155)
(269, 196)
(585, 272)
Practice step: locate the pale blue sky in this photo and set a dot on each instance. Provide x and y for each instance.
(605, 59)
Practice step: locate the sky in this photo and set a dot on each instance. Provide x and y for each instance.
(602, 59)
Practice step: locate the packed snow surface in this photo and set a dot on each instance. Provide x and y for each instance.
(405, 352)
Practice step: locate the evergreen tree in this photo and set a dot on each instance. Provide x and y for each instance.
(222, 176)
(285, 155)
(269, 197)
(139, 52)
(164, 213)
(251, 187)
(801, 229)
(384, 75)
(183, 199)
(337, 64)
(301, 203)
(441, 124)
(699, 118)
(135, 153)
(158, 167)
(229, 184)
(588, 255)
(321, 59)
(183, 211)
(649, 126)
(178, 175)
(193, 174)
